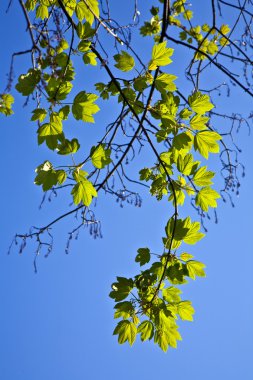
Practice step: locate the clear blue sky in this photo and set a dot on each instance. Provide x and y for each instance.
(58, 323)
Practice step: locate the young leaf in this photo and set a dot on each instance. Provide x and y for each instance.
(193, 234)
(164, 82)
(185, 310)
(125, 61)
(27, 82)
(121, 288)
(68, 147)
(184, 164)
(185, 114)
(87, 11)
(206, 142)
(171, 294)
(183, 141)
(46, 176)
(123, 309)
(195, 268)
(84, 107)
(178, 232)
(100, 157)
(160, 56)
(89, 58)
(199, 122)
(39, 114)
(185, 256)
(58, 89)
(6, 101)
(176, 274)
(53, 128)
(200, 103)
(61, 176)
(203, 177)
(146, 329)
(83, 192)
(206, 198)
(42, 12)
(126, 331)
(161, 338)
(143, 256)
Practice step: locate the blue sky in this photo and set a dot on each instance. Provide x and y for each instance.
(58, 323)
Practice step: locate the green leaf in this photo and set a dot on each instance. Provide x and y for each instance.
(184, 164)
(46, 176)
(123, 309)
(178, 232)
(51, 141)
(39, 114)
(121, 288)
(195, 268)
(126, 331)
(68, 147)
(79, 175)
(42, 12)
(185, 256)
(140, 83)
(81, 10)
(185, 114)
(162, 339)
(145, 174)
(167, 335)
(85, 31)
(166, 158)
(202, 177)
(199, 122)
(206, 198)
(183, 141)
(63, 45)
(64, 112)
(146, 329)
(206, 142)
(49, 129)
(83, 192)
(27, 82)
(69, 6)
(53, 128)
(61, 176)
(30, 5)
(90, 58)
(160, 56)
(164, 82)
(87, 11)
(84, 107)
(171, 294)
(176, 274)
(143, 256)
(193, 234)
(58, 89)
(185, 310)
(125, 61)
(84, 46)
(200, 103)
(151, 28)
(61, 60)
(100, 157)
(6, 101)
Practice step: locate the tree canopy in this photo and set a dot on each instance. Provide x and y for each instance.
(162, 76)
